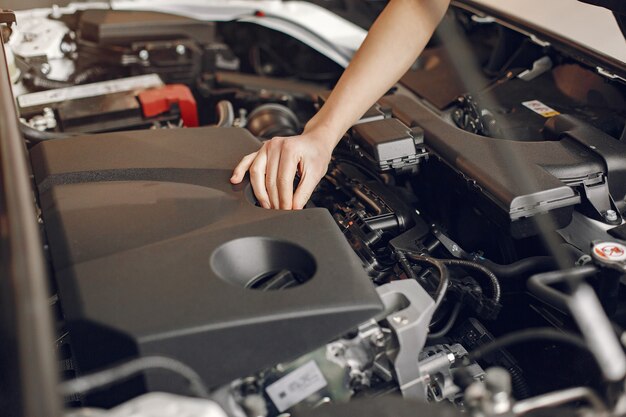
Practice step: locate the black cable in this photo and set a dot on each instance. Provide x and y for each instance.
(107, 377)
(493, 280)
(37, 82)
(449, 324)
(37, 136)
(406, 266)
(444, 276)
(90, 74)
(528, 335)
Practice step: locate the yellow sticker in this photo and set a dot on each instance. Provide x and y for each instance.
(540, 108)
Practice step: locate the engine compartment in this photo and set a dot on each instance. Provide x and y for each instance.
(437, 230)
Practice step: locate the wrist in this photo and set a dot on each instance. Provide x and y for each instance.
(323, 132)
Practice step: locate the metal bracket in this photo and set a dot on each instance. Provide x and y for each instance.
(597, 193)
(409, 310)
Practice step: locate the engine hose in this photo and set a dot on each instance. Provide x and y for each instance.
(528, 266)
(225, 114)
(493, 280)
(444, 275)
(522, 267)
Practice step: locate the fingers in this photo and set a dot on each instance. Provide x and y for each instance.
(257, 178)
(240, 170)
(273, 169)
(308, 182)
(271, 172)
(286, 174)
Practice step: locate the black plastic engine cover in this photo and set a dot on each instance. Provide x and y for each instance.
(152, 248)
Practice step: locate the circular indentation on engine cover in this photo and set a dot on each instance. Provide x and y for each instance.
(262, 263)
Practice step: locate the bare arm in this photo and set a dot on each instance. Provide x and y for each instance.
(394, 41)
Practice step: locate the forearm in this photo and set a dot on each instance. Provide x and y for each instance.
(394, 42)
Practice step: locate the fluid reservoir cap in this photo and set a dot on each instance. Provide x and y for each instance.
(609, 252)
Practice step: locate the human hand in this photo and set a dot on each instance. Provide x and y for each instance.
(273, 169)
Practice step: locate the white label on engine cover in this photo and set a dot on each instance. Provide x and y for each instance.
(540, 108)
(140, 82)
(296, 386)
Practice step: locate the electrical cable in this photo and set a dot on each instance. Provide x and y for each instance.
(35, 136)
(449, 324)
(444, 276)
(406, 266)
(493, 280)
(110, 376)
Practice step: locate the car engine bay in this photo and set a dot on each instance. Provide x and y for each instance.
(466, 248)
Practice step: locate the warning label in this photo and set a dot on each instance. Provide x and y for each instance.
(540, 108)
(296, 386)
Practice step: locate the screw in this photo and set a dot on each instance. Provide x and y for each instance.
(68, 47)
(378, 339)
(45, 68)
(611, 216)
(144, 55)
(180, 49)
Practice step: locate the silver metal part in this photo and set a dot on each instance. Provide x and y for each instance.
(38, 36)
(611, 215)
(439, 363)
(410, 309)
(358, 354)
(491, 397)
(44, 121)
(540, 66)
(346, 365)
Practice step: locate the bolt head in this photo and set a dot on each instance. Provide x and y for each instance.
(144, 55)
(45, 68)
(378, 339)
(611, 215)
(181, 50)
